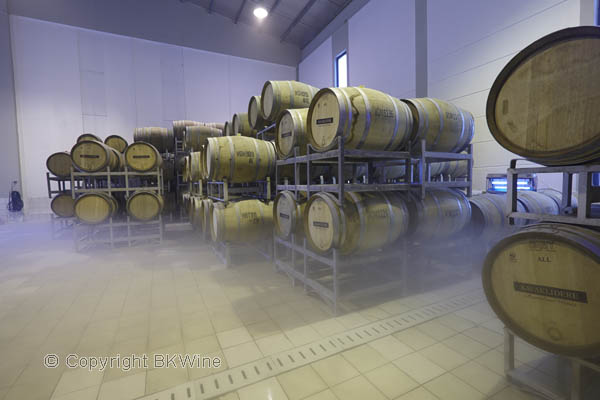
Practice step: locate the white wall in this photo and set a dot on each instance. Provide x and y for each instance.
(69, 80)
(317, 68)
(469, 42)
(381, 47)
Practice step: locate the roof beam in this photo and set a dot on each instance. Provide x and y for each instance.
(210, 6)
(297, 19)
(274, 6)
(239, 13)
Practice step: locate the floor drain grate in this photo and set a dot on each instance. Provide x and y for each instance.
(238, 377)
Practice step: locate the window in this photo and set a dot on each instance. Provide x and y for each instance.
(341, 69)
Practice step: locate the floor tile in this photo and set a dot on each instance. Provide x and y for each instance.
(418, 367)
(263, 329)
(414, 338)
(302, 335)
(357, 388)
(444, 356)
(449, 387)
(233, 337)
(418, 394)
(126, 388)
(301, 382)
(76, 379)
(482, 379)
(242, 354)
(485, 336)
(513, 393)
(335, 369)
(328, 327)
(85, 394)
(205, 345)
(274, 344)
(455, 322)
(436, 330)
(390, 347)
(364, 358)
(466, 346)
(391, 381)
(324, 395)
(269, 389)
(163, 378)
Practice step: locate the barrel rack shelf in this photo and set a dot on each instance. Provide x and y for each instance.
(221, 190)
(263, 133)
(59, 225)
(330, 266)
(61, 184)
(117, 230)
(578, 366)
(586, 194)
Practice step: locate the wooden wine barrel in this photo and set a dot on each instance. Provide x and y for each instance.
(63, 205)
(367, 221)
(290, 132)
(195, 171)
(444, 126)
(185, 202)
(538, 203)
(255, 116)
(168, 167)
(287, 213)
(557, 197)
(228, 129)
(180, 126)
(88, 136)
(215, 125)
(367, 119)
(544, 284)
(196, 212)
(241, 124)
(180, 163)
(142, 157)
(441, 214)
(93, 156)
(277, 96)
(245, 221)
(206, 221)
(161, 138)
(488, 217)
(95, 208)
(185, 175)
(196, 136)
(540, 105)
(116, 142)
(239, 159)
(144, 205)
(456, 168)
(60, 164)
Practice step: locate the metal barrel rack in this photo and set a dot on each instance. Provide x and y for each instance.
(58, 185)
(323, 274)
(117, 230)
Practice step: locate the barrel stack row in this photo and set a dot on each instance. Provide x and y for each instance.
(543, 281)
(91, 155)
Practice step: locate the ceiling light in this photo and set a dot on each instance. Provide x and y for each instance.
(260, 12)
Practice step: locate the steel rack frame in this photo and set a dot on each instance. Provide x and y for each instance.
(263, 132)
(93, 181)
(578, 366)
(61, 183)
(586, 194)
(60, 225)
(221, 190)
(224, 250)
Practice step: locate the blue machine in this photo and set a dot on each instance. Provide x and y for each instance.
(497, 183)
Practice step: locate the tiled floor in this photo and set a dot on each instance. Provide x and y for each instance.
(178, 299)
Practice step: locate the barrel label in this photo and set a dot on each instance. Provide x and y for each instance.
(285, 216)
(548, 291)
(324, 121)
(245, 154)
(452, 116)
(304, 94)
(286, 134)
(378, 214)
(146, 156)
(321, 224)
(541, 245)
(89, 156)
(384, 113)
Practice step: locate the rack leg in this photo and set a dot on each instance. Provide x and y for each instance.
(575, 380)
(509, 351)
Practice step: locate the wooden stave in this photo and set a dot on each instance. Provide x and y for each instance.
(241, 124)
(578, 156)
(112, 158)
(131, 199)
(111, 202)
(179, 127)
(421, 124)
(129, 158)
(585, 239)
(119, 143)
(161, 138)
(238, 171)
(62, 197)
(299, 121)
(88, 136)
(397, 134)
(260, 121)
(227, 129)
(221, 231)
(195, 172)
(195, 137)
(62, 173)
(280, 102)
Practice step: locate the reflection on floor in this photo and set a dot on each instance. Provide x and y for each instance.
(178, 299)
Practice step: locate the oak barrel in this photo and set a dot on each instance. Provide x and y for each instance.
(161, 138)
(488, 217)
(241, 125)
(207, 206)
(557, 197)
(538, 203)
(239, 159)
(444, 126)
(277, 96)
(60, 164)
(242, 222)
(542, 106)
(196, 212)
(95, 208)
(93, 156)
(88, 136)
(116, 142)
(179, 127)
(287, 213)
(144, 205)
(290, 131)
(543, 282)
(142, 157)
(441, 214)
(228, 129)
(367, 221)
(255, 116)
(195, 171)
(367, 119)
(196, 136)
(63, 205)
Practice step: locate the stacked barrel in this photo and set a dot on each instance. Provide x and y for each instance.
(542, 280)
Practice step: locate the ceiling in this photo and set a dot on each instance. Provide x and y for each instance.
(292, 21)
